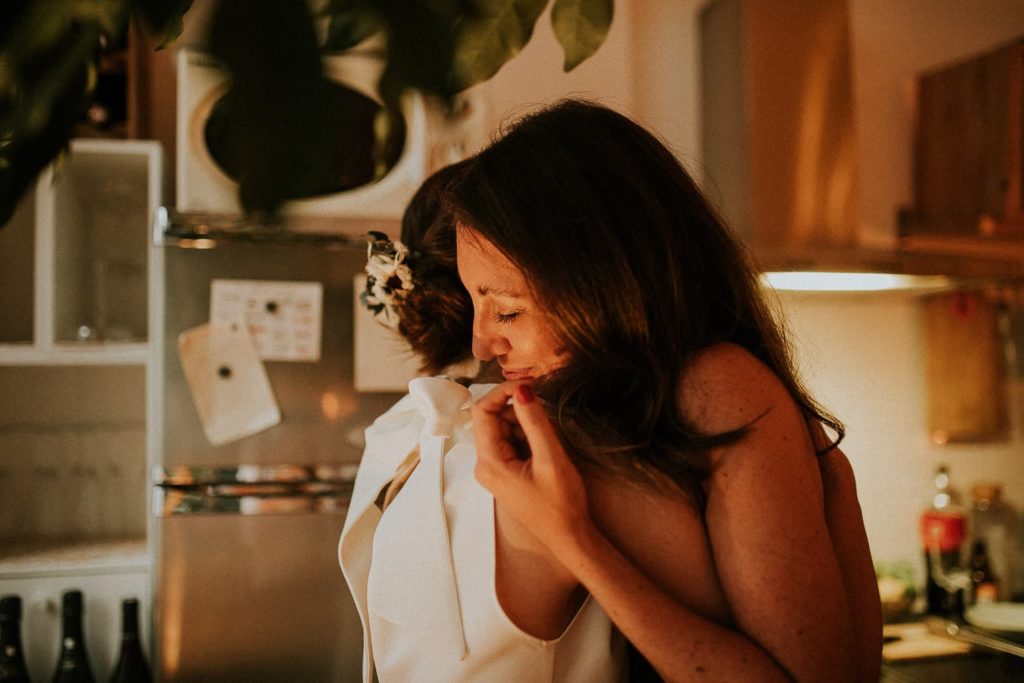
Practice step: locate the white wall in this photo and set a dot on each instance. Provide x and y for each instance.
(648, 68)
(861, 357)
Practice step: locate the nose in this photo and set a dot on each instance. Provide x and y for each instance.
(488, 343)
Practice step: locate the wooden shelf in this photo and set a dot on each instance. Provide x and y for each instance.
(964, 256)
(967, 246)
(35, 558)
(71, 353)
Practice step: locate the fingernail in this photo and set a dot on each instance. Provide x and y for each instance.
(524, 394)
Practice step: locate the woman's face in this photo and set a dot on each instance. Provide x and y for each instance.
(508, 324)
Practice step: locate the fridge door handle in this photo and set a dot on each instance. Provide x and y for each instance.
(194, 475)
(253, 490)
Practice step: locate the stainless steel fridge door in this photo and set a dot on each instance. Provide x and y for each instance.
(247, 584)
(253, 597)
(323, 416)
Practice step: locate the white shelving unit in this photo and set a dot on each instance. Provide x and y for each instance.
(80, 291)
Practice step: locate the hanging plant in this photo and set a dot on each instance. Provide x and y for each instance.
(277, 107)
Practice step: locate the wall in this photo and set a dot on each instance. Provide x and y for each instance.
(861, 356)
(648, 68)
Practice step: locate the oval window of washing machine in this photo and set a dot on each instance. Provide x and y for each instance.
(356, 157)
(362, 181)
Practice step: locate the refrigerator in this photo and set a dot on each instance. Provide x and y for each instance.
(246, 585)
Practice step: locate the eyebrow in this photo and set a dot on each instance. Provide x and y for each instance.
(484, 290)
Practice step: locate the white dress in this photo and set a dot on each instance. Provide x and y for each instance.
(422, 573)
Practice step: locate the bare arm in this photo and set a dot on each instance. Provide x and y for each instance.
(773, 552)
(766, 521)
(680, 644)
(546, 495)
(850, 544)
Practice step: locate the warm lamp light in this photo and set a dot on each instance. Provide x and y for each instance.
(822, 281)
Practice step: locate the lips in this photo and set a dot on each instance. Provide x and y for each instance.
(522, 373)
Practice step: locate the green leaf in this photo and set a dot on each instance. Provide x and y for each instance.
(161, 18)
(420, 39)
(48, 59)
(492, 34)
(347, 29)
(581, 26)
(277, 115)
(339, 6)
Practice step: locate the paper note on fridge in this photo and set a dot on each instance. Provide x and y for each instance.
(227, 380)
(284, 317)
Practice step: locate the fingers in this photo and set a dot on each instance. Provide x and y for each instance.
(495, 399)
(495, 432)
(517, 431)
(541, 435)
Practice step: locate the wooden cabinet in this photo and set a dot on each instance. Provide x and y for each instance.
(968, 159)
(968, 147)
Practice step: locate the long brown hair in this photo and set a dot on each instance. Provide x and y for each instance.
(637, 273)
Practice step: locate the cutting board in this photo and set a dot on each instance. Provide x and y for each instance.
(906, 642)
(963, 367)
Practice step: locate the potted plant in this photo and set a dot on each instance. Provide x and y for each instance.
(50, 52)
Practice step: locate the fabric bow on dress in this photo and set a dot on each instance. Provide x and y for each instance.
(415, 530)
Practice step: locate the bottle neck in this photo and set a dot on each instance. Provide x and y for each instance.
(130, 621)
(72, 629)
(10, 633)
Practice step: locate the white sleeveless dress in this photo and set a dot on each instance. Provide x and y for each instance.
(422, 573)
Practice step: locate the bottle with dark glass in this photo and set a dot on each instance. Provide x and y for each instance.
(984, 585)
(73, 663)
(132, 666)
(943, 531)
(994, 522)
(12, 660)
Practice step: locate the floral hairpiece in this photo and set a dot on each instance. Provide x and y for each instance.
(388, 278)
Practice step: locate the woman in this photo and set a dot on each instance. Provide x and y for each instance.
(659, 453)
(417, 547)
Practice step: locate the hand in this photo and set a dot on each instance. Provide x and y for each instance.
(521, 461)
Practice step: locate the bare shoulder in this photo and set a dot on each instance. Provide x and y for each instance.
(727, 387)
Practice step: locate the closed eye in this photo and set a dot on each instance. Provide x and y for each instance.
(506, 317)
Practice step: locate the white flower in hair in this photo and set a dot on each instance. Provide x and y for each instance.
(388, 278)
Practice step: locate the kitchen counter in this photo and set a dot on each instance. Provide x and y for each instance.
(971, 668)
(920, 650)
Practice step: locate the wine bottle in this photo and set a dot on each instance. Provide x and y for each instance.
(12, 661)
(132, 666)
(73, 663)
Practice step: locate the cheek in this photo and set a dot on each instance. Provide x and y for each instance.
(547, 348)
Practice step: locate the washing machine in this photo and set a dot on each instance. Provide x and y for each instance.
(205, 183)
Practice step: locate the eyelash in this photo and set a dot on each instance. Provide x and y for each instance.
(506, 317)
